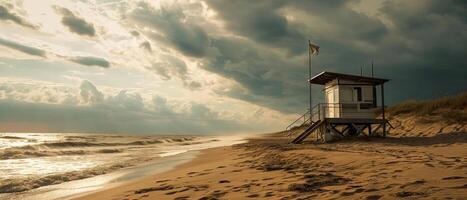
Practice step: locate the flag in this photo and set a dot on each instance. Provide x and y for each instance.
(314, 49)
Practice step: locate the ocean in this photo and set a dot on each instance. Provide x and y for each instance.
(62, 165)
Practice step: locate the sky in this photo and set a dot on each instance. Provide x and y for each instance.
(212, 66)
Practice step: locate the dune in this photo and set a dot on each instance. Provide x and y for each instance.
(419, 160)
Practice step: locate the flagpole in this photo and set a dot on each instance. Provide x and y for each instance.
(309, 76)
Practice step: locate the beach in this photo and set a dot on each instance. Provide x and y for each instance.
(271, 168)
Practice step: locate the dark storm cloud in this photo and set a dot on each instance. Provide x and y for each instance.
(90, 61)
(413, 43)
(261, 22)
(265, 22)
(75, 23)
(188, 38)
(6, 15)
(425, 46)
(23, 48)
(266, 77)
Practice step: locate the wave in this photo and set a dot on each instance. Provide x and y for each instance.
(18, 153)
(13, 137)
(138, 142)
(23, 184)
(63, 148)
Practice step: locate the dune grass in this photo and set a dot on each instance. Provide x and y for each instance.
(450, 108)
(457, 103)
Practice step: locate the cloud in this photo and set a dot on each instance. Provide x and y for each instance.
(193, 85)
(23, 48)
(261, 22)
(90, 61)
(161, 105)
(201, 111)
(89, 93)
(403, 37)
(134, 33)
(75, 23)
(127, 100)
(6, 15)
(37, 92)
(171, 66)
(146, 45)
(188, 38)
(124, 112)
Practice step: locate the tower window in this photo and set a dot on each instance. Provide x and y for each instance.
(357, 91)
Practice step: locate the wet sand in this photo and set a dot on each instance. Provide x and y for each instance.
(270, 168)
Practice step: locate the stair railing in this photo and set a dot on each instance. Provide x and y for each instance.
(306, 117)
(302, 117)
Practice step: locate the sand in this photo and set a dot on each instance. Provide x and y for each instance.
(270, 168)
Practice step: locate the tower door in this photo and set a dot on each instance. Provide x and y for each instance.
(332, 107)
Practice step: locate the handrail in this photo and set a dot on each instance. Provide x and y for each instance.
(302, 116)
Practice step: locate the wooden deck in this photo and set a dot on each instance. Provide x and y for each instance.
(344, 127)
(354, 120)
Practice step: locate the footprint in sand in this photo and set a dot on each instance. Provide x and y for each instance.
(359, 190)
(429, 165)
(453, 177)
(178, 191)
(253, 195)
(269, 194)
(408, 194)
(160, 188)
(201, 174)
(373, 197)
(214, 195)
(198, 187)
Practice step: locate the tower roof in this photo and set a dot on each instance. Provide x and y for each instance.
(324, 77)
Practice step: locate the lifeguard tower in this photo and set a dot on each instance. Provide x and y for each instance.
(350, 108)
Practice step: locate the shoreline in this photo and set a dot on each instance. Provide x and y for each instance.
(166, 158)
(162, 167)
(80, 187)
(270, 168)
(205, 157)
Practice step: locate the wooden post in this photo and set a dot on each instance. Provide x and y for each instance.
(382, 109)
(309, 75)
(319, 111)
(374, 96)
